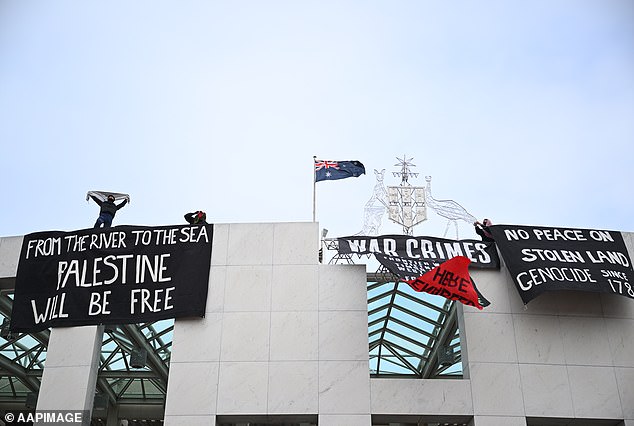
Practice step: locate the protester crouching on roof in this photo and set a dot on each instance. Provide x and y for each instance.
(198, 217)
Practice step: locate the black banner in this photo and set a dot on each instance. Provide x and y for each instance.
(410, 257)
(545, 259)
(120, 275)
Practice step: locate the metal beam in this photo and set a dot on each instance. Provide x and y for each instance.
(446, 332)
(125, 374)
(105, 388)
(20, 372)
(155, 362)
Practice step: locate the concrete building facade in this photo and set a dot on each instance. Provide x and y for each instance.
(285, 339)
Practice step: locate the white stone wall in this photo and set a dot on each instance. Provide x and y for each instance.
(285, 335)
(565, 354)
(282, 334)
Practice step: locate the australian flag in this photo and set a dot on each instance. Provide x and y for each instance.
(333, 170)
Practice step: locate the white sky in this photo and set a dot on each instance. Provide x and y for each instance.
(522, 112)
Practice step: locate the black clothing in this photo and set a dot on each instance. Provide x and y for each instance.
(194, 219)
(484, 233)
(108, 207)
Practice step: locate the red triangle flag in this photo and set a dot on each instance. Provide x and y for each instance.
(451, 280)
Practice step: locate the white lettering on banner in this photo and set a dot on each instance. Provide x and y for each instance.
(534, 277)
(191, 234)
(620, 287)
(421, 248)
(194, 234)
(614, 274)
(117, 266)
(155, 269)
(516, 234)
(75, 242)
(357, 246)
(542, 259)
(54, 246)
(47, 247)
(389, 247)
(165, 236)
(565, 256)
(99, 301)
(427, 249)
(603, 236)
(152, 301)
(89, 273)
(107, 240)
(453, 250)
(127, 273)
(613, 257)
(145, 236)
(411, 268)
(483, 255)
(409, 244)
(556, 234)
(51, 311)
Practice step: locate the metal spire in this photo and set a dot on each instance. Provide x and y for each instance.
(406, 203)
(405, 173)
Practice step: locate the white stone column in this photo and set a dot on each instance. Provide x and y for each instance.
(344, 369)
(9, 258)
(282, 335)
(70, 371)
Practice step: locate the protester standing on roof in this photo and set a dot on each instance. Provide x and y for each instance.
(482, 229)
(196, 218)
(108, 208)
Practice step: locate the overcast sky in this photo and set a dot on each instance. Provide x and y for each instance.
(522, 112)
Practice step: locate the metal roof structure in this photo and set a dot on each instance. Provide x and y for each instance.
(134, 362)
(410, 334)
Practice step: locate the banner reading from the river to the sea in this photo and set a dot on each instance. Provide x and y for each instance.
(119, 275)
(545, 259)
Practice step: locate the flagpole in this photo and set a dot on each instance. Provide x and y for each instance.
(314, 185)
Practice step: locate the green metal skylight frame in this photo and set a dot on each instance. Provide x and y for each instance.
(118, 379)
(410, 334)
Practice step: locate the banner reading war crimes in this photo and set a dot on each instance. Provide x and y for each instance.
(120, 275)
(546, 259)
(410, 257)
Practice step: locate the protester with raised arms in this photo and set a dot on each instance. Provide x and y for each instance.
(108, 208)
